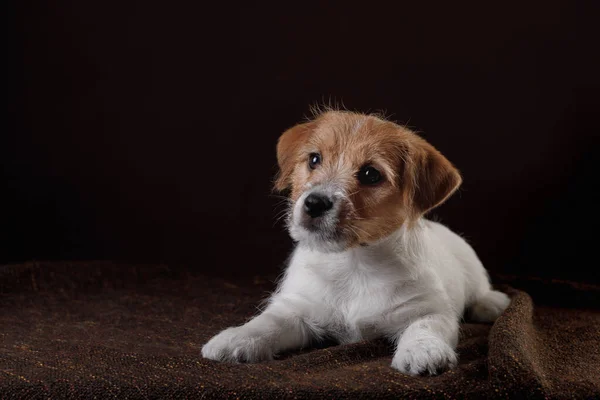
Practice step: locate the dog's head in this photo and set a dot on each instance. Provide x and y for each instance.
(355, 179)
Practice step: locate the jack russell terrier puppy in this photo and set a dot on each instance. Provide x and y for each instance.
(367, 264)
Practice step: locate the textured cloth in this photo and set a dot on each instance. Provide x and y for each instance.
(72, 330)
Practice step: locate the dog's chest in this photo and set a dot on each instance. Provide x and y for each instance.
(360, 317)
(361, 293)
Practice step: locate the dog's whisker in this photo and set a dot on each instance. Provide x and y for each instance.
(280, 217)
(356, 228)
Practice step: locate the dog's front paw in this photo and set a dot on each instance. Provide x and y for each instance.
(237, 345)
(421, 356)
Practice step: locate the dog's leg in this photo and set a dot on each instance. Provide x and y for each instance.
(488, 306)
(427, 345)
(278, 328)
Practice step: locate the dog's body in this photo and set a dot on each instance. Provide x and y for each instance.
(353, 278)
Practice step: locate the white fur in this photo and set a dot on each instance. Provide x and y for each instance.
(411, 287)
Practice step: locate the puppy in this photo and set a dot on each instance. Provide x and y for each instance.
(367, 264)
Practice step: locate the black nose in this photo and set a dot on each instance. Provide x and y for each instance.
(315, 205)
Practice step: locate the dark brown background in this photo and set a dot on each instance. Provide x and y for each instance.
(145, 130)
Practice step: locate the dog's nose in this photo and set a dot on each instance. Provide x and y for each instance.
(316, 205)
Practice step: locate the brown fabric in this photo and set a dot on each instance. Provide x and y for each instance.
(71, 330)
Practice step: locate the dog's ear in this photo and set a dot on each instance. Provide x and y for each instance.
(287, 152)
(429, 177)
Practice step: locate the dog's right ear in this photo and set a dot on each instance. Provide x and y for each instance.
(430, 178)
(287, 152)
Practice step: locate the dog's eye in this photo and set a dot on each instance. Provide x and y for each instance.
(368, 175)
(314, 159)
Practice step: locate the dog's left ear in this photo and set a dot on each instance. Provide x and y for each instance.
(287, 152)
(431, 176)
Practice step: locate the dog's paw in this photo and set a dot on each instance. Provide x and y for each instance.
(237, 345)
(421, 356)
